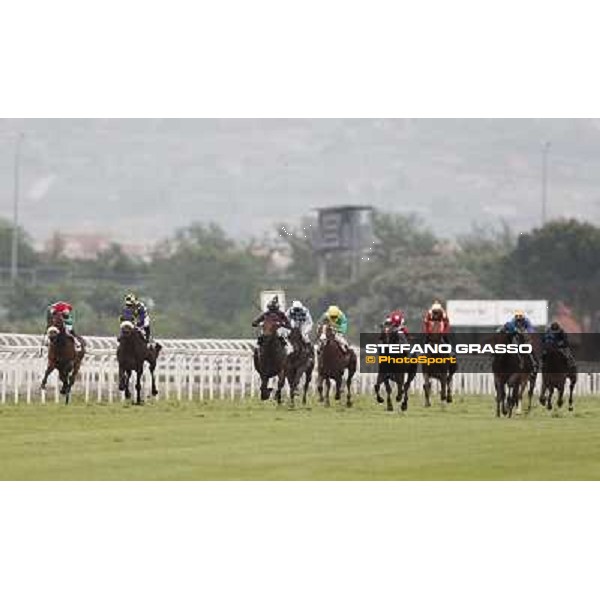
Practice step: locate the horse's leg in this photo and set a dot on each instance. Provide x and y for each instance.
(388, 392)
(349, 389)
(307, 380)
(572, 381)
(280, 384)
(409, 379)
(543, 391)
(327, 391)
(427, 389)
(338, 386)
(49, 370)
(138, 387)
(532, 380)
(550, 394)
(265, 390)
(443, 387)
(153, 377)
(127, 379)
(377, 387)
(320, 388)
(449, 389)
(560, 388)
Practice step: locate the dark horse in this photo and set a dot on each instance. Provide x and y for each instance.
(442, 371)
(132, 353)
(333, 362)
(555, 372)
(270, 359)
(401, 374)
(512, 372)
(63, 356)
(300, 362)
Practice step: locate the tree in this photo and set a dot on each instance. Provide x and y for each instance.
(27, 254)
(205, 284)
(559, 262)
(483, 252)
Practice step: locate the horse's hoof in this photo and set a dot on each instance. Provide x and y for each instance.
(543, 401)
(570, 409)
(390, 408)
(379, 400)
(560, 403)
(549, 406)
(348, 404)
(449, 400)
(403, 407)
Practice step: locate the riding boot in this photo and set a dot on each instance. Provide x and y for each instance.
(147, 333)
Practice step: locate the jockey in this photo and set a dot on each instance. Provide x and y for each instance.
(436, 314)
(396, 320)
(274, 311)
(334, 316)
(135, 310)
(556, 336)
(66, 310)
(299, 316)
(519, 322)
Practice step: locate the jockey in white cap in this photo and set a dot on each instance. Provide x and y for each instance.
(300, 318)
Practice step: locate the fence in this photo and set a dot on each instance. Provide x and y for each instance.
(187, 370)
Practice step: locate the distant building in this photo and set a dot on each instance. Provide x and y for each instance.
(87, 246)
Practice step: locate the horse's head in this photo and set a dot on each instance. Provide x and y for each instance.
(58, 321)
(296, 337)
(271, 324)
(126, 328)
(53, 332)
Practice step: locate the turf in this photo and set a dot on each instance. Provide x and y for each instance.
(252, 440)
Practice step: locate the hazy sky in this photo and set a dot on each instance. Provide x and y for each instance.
(139, 179)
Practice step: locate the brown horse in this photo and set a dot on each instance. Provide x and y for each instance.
(555, 372)
(402, 375)
(270, 359)
(333, 362)
(512, 372)
(443, 372)
(63, 355)
(301, 362)
(133, 351)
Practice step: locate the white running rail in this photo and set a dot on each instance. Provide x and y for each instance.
(187, 370)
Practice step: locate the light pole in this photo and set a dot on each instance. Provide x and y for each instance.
(14, 259)
(545, 151)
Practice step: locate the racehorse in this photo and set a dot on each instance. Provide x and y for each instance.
(300, 362)
(401, 374)
(270, 359)
(133, 351)
(443, 371)
(555, 372)
(63, 355)
(332, 364)
(512, 372)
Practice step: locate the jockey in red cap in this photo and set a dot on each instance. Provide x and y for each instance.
(66, 311)
(396, 319)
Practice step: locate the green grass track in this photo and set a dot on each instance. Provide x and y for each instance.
(250, 440)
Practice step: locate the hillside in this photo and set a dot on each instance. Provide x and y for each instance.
(140, 179)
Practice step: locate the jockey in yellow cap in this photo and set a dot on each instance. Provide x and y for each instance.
(334, 316)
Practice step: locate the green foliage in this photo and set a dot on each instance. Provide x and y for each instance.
(559, 261)
(205, 284)
(27, 255)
